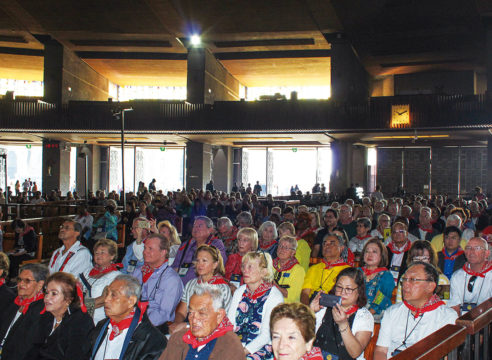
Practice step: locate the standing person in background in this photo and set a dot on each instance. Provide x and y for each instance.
(152, 185)
(257, 189)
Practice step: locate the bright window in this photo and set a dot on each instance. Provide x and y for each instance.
(23, 162)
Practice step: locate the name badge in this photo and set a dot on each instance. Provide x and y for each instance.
(468, 306)
(395, 268)
(183, 270)
(131, 266)
(285, 274)
(285, 286)
(236, 280)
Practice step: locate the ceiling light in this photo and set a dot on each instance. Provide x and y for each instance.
(257, 138)
(195, 40)
(410, 137)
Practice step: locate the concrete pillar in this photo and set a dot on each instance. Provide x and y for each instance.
(198, 165)
(93, 154)
(67, 77)
(341, 175)
(222, 168)
(488, 26)
(349, 79)
(237, 167)
(56, 166)
(208, 80)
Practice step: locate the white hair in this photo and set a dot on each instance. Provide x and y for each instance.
(453, 217)
(213, 291)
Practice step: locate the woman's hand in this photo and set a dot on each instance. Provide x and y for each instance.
(315, 306)
(175, 327)
(339, 315)
(153, 227)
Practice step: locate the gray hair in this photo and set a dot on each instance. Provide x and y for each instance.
(365, 221)
(224, 221)
(341, 240)
(426, 208)
(206, 220)
(454, 217)
(245, 217)
(265, 225)
(290, 240)
(132, 285)
(213, 291)
(39, 272)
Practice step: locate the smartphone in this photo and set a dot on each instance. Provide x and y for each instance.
(328, 300)
(144, 225)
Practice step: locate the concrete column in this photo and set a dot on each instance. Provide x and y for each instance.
(488, 26)
(67, 77)
(93, 154)
(198, 165)
(56, 166)
(222, 168)
(341, 175)
(349, 79)
(208, 80)
(237, 166)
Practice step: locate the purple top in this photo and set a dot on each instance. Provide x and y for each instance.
(183, 262)
(163, 291)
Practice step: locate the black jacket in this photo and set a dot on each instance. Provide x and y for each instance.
(7, 297)
(147, 342)
(70, 340)
(25, 335)
(458, 263)
(428, 235)
(403, 266)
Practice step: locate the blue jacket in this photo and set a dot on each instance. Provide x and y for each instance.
(130, 256)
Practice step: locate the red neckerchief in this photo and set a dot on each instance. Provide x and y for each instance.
(147, 271)
(288, 265)
(350, 258)
(405, 248)
(215, 280)
(351, 310)
(118, 327)
(313, 354)
(2, 281)
(487, 266)
(260, 291)
(224, 327)
(305, 233)
(363, 237)
(267, 246)
(375, 271)
(26, 302)
(100, 271)
(452, 257)
(339, 262)
(70, 254)
(433, 303)
(232, 237)
(428, 230)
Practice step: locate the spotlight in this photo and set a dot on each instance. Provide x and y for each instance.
(195, 40)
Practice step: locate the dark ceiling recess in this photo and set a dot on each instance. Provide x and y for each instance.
(130, 43)
(277, 143)
(264, 42)
(13, 39)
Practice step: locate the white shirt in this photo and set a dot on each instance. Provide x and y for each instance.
(85, 221)
(363, 321)
(78, 263)
(356, 244)
(111, 349)
(398, 321)
(97, 288)
(482, 288)
(274, 298)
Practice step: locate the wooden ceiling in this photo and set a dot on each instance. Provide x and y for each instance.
(274, 42)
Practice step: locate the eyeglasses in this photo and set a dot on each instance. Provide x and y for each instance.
(66, 227)
(24, 280)
(421, 258)
(398, 231)
(341, 289)
(475, 248)
(285, 248)
(413, 281)
(471, 283)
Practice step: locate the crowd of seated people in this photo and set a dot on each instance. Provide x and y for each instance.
(205, 274)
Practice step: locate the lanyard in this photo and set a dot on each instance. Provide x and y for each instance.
(404, 342)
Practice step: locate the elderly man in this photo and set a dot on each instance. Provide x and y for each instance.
(210, 335)
(228, 234)
(472, 285)
(331, 221)
(134, 252)
(346, 221)
(21, 324)
(127, 333)
(322, 276)
(438, 240)
(420, 314)
(424, 229)
(398, 250)
(202, 233)
(72, 257)
(244, 219)
(161, 286)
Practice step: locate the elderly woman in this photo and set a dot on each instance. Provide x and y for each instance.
(356, 244)
(384, 223)
(422, 250)
(20, 321)
(254, 301)
(169, 231)
(379, 281)
(25, 245)
(267, 235)
(346, 329)
(303, 251)
(288, 275)
(247, 240)
(292, 327)
(99, 277)
(68, 323)
(209, 268)
(6, 294)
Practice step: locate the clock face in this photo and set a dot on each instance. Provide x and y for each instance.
(400, 115)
